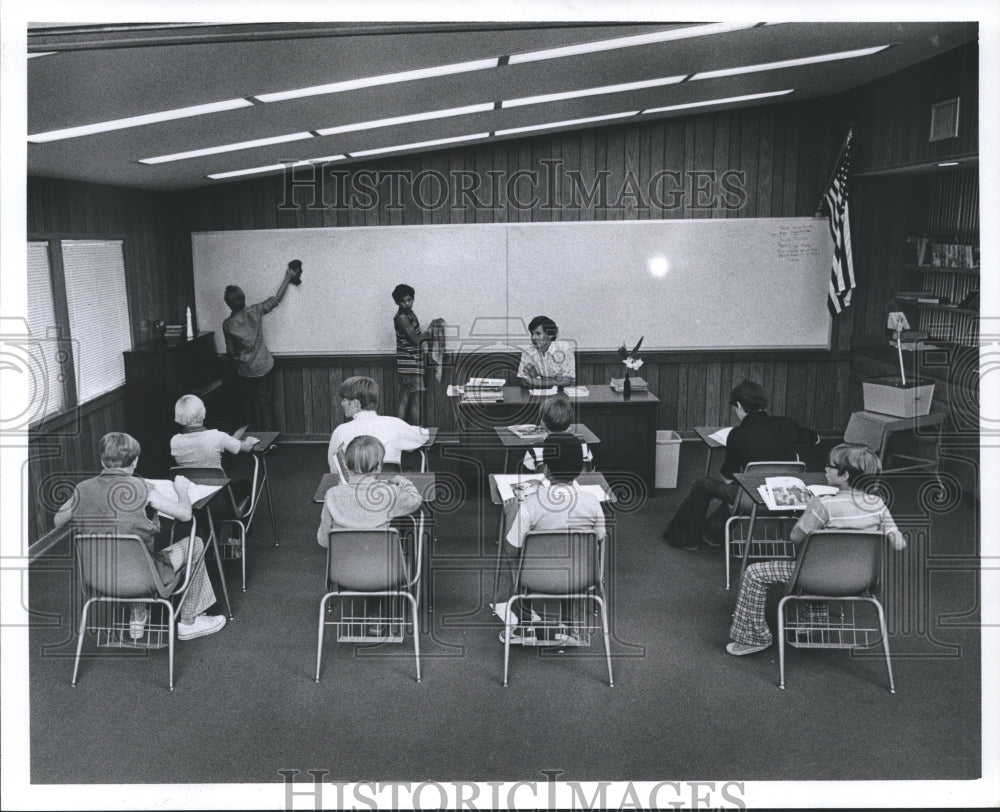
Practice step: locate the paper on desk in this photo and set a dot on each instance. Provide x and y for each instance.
(540, 392)
(455, 391)
(197, 491)
(720, 435)
(577, 391)
(517, 486)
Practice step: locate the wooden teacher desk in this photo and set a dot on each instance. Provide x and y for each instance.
(627, 428)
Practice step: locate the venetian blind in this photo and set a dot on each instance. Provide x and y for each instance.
(98, 314)
(42, 353)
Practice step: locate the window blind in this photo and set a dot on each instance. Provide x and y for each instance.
(43, 359)
(98, 314)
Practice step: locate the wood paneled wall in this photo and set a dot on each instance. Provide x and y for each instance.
(784, 153)
(892, 116)
(159, 286)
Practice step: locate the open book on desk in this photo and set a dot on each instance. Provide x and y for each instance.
(520, 486)
(197, 491)
(790, 493)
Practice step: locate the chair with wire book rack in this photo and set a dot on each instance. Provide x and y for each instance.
(117, 574)
(770, 539)
(373, 580)
(229, 511)
(564, 569)
(842, 567)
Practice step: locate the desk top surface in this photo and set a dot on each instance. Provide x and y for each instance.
(751, 482)
(705, 432)
(265, 439)
(510, 440)
(423, 482)
(894, 423)
(600, 393)
(589, 478)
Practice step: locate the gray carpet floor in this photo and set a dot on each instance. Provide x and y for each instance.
(246, 706)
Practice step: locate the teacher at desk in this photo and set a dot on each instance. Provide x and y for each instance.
(548, 361)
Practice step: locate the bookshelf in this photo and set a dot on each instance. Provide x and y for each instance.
(941, 272)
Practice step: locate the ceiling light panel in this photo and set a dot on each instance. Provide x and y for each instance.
(711, 102)
(138, 121)
(789, 63)
(593, 91)
(198, 153)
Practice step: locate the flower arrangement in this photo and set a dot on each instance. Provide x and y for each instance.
(629, 357)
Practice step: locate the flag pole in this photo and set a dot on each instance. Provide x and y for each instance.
(833, 174)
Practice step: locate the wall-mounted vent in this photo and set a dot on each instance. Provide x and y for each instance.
(944, 120)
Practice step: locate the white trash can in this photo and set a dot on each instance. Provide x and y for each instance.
(668, 457)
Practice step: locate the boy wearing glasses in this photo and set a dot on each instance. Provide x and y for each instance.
(848, 509)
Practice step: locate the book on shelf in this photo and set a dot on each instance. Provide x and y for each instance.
(927, 298)
(908, 295)
(971, 300)
(638, 384)
(932, 254)
(790, 493)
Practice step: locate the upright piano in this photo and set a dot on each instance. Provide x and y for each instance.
(159, 372)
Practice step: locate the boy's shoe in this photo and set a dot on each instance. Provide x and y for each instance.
(677, 542)
(741, 649)
(519, 635)
(200, 626)
(137, 624)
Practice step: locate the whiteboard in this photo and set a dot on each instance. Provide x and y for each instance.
(738, 283)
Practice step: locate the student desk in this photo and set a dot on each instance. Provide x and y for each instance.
(750, 483)
(705, 433)
(876, 431)
(627, 428)
(591, 478)
(266, 440)
(425, 485)
(201, 505)
(511, 441)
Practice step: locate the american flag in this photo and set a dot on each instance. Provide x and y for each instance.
(842, 268)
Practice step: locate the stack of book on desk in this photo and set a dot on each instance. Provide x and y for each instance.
(638, 384)
(483, 390)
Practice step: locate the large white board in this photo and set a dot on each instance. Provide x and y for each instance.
(758, 283)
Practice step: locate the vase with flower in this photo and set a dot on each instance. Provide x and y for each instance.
(632, 364)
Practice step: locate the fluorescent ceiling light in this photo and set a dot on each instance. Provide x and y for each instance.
(41, 53)
(948, 163)
(630, 42)
(385, 79)
(789, 63)
(593, 91)
(256, 170)
(389, 122)
(569, 123)
(138, 121)
(419, 144)
(197, 153)
(709, 102)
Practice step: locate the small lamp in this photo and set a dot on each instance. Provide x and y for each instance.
(898, 322)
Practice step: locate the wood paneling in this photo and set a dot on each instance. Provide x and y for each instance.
(159, 286)
(892, 116)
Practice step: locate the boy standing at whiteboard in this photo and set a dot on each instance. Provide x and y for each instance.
(409, 362)
(244, 332)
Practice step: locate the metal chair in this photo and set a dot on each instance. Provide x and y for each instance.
(362, 565)
(834, 565)
(565, 566)
(116, 573)
(770, 539)
(228, 510)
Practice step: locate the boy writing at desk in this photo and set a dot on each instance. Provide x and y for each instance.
(117, 501)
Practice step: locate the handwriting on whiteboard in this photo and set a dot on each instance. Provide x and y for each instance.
(796, 242)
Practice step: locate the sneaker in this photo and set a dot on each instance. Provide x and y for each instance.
(741, 649)
(712, 540)
(518, 635)
(137, 624)
(200, 626)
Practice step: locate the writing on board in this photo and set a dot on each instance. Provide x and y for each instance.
(795, 243)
